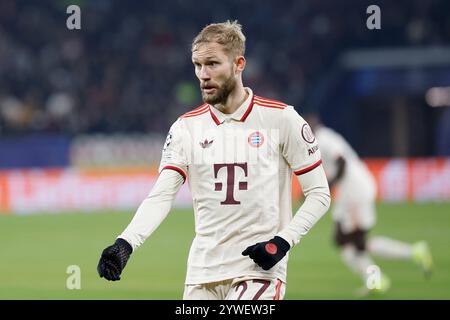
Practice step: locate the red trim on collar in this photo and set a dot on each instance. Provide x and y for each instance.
(216, 120)
(249, 109)
(245, 115)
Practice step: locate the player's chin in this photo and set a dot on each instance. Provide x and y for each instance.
(210, 98)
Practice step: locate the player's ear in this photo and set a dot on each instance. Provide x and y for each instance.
(239, 63)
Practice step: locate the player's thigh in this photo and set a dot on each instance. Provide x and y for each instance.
(257, 289)
(367, 214)
(353, 214)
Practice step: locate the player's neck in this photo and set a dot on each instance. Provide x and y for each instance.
(234, 101)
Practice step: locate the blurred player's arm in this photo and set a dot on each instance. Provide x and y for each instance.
(340, 171)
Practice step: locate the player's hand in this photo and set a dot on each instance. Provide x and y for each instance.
(267, 254)
(113, 260)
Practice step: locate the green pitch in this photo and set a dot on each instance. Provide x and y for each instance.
(36, 250)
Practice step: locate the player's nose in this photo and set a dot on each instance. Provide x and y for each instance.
(203, 74)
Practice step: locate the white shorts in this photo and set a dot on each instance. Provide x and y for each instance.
(237, 289)
(354, 204)
(357, 215)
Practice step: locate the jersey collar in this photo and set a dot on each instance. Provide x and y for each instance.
(239, 115)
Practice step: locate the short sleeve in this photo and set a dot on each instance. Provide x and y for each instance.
(173, 153)
(298, 144)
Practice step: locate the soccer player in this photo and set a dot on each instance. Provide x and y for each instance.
(238, 152)
(354, 212)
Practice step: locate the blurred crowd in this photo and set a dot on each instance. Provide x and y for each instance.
(128, 69)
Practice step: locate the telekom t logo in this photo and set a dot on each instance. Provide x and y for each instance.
(230, 167)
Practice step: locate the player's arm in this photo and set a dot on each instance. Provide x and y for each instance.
(340, 171)
(299, 142)
(152, 211)
(317, 201)
(300, 150)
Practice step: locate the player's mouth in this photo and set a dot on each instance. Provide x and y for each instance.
(208, 89)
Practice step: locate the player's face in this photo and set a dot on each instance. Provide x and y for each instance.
(216, 72)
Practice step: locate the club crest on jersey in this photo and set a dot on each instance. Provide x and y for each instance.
(256, 139)
(307, 134)
(206, 143)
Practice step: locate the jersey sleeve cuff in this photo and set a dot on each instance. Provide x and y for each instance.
(289, 237)
(308, 169)
(177, 169)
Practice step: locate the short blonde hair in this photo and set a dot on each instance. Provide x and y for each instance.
(228, 34)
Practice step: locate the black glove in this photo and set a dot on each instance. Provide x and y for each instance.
(113, 260)
(267, 254)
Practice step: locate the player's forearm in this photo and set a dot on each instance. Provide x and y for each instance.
(154, 209)
(317, 201)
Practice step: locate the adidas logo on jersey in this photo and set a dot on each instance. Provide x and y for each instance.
(206, 143)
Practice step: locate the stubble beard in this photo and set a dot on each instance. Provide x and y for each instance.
(222, 93)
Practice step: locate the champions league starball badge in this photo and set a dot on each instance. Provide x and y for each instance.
(168, 141)
(307, 134)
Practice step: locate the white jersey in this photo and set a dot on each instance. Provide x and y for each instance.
(239, 169)
(356, 191)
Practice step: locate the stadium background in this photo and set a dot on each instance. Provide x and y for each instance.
(84, 113)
